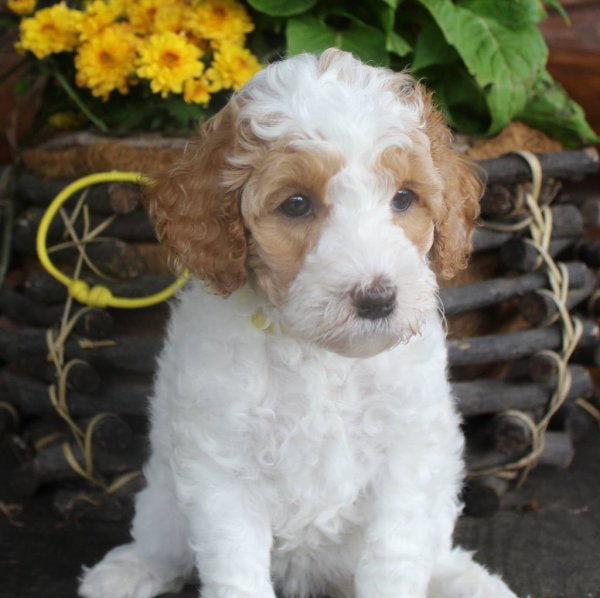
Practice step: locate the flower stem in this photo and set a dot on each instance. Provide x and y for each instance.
(75, 97)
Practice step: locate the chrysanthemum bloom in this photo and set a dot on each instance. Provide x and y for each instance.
(173, 17)
(197, 91)
(21, 7)
(168, 60)
(222, 21)
(107, 60)
(232, 67)
(99, 14)
(50, 30)
(142, 14)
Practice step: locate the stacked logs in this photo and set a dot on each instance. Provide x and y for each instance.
(115, 352)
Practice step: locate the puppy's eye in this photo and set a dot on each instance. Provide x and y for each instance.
(296, 206)
(403, 200)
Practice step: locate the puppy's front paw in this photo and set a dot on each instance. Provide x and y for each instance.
(122, 574)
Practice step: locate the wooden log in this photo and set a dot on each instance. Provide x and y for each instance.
(111, 433)
(44, 432)
(85, 503)
(588, 355)
(128, 227)
(558, 452)
(80, 375)
(520, 255)
(510, 434)
(96, 323)
(498, 201)
(590, 212)
(478, 397)
(30, 396)
(104, 198)
(491, 292)
(115, 259)
(482, 496)
(542, 367)
(537, 308)
(575, 421)
(567, 222)
(42, 287)
(133, 354)
(485, 239)
(512, 345)
(51, 465)
(8, 417)
(90, 505)
(562, 165)
(589, 252)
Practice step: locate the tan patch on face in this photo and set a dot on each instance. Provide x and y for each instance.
(413, 170)
(278, 244)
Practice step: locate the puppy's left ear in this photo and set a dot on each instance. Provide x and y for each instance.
(463, 187)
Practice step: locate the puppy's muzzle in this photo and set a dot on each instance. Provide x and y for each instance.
(374, 302)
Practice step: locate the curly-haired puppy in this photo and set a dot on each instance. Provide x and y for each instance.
(304, 437)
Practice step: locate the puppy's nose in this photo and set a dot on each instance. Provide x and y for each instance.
(375, 301)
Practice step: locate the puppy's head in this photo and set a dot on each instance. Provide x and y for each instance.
(330, 187)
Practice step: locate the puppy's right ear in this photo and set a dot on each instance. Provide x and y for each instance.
(197, 213)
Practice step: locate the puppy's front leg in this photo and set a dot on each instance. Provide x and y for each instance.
(412, 512)
(229, 528)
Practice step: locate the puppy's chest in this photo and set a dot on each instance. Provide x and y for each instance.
(326, 433)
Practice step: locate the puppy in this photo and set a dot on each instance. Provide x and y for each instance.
(304, 438)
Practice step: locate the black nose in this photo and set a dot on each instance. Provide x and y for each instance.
(374, 302)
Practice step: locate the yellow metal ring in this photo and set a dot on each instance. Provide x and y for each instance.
(98, 295)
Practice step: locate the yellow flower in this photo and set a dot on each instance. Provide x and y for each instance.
(50, 30)
(107, 60)
(232, 67)
(222, 20)
(67, 120)
(97, 15)
(172, 17)
(21, 7)
(142, 14)
(168, 60)
(197, 91)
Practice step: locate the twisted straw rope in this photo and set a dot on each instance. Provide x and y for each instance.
(55, 340)
(540, 228)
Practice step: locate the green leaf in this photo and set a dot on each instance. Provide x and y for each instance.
(500, 46)
(308, 34)
(366, 43)
(387, 18)
(397, 44)
(393, 3)
(550, 110)
(459, 97)
(282, 8)
(394, 42)
(432, 49)
(534, 8)
(182, 112)
(561, 11)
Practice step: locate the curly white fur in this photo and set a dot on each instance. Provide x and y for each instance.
(321, 456)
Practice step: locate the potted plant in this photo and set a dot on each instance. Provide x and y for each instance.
(157, 65)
